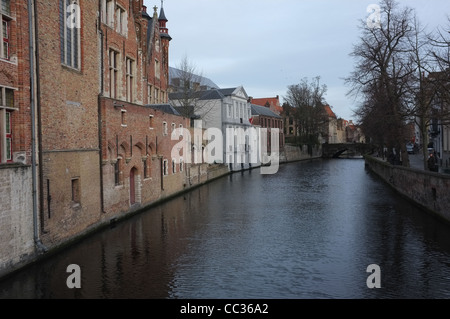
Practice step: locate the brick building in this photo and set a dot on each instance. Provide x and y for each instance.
(103, 125)
(272, 103)
(137, 121)
(16, 174)
(265, 118)
(104, 133)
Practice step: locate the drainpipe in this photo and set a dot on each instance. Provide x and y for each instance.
(37, 240)
(100, 120)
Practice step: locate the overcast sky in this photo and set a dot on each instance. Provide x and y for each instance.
(267, 45)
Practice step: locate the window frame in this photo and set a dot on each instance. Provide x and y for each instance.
(6, 124)
(5, 41)
(74, 43)
(130, 78)
(113, 61)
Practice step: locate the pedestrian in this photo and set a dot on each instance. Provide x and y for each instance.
(431, 163)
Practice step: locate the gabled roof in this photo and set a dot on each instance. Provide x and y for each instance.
(166, 108)
(212, 95)
(175, 73)
(262, 110)
(330, 113)
(272, 102)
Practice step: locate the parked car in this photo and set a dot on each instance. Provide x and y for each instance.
(410, 148)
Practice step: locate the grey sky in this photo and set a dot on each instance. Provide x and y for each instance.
(266, 45)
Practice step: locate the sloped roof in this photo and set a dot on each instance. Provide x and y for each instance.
(175, 73)
(274, 102)
(330, 112)
(262, 110)
(166, 108)
(162, 16)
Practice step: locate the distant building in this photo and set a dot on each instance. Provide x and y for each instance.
(273, 103)
(197, 82)
(342, 130)
(331, 126)
(265, 118)
(225, 109)
(354, 133)
(290, 122)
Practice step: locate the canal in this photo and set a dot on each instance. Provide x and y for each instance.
(309, 231)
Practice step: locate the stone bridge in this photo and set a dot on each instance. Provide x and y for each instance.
(346, 150)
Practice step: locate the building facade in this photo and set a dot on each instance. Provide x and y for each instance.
(95, 75)
(263, 117)
(227, 109)
(17, 203)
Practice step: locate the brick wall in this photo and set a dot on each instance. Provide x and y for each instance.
(68, 101)
(133, 134)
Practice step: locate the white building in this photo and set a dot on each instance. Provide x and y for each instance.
(229, 111)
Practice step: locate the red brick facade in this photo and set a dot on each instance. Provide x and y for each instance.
(103, 124)
(103, 149)
(15, 116)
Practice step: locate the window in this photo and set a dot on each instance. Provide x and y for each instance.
(181, 130)
(165, 167)
(113, 73)
(149, 93)
(6, 7)
(124, 117)
(174, 166)
(173, 127)
(69, 34)
(117, 172)
(5, 13)
(164, 128)
(229, 111)
(130, 79)
(109, 13)
(157, 69)
(181, 164)
(5, 43)
(150, 121)
(156, 96)
(145, 165)
(121, 20)
(76, 190)
(6, 108)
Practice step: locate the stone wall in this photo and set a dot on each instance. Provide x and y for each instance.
(427, 189)
(292, 153)
(16, 216)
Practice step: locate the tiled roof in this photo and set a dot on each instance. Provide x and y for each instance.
(329, 111)
(269, 101)
(262, 110)
(166, 108)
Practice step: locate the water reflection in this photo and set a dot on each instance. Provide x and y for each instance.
(309, 231)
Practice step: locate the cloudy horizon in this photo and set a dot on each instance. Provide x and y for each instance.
(267, 45)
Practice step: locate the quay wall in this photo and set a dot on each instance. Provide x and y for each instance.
(292, 153)
(16, 216)
(427, 189)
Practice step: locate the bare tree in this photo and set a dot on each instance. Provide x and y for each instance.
(187, 91)
(381, 74)
(307, 101)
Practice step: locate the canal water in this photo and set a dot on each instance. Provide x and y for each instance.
(309, 231)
